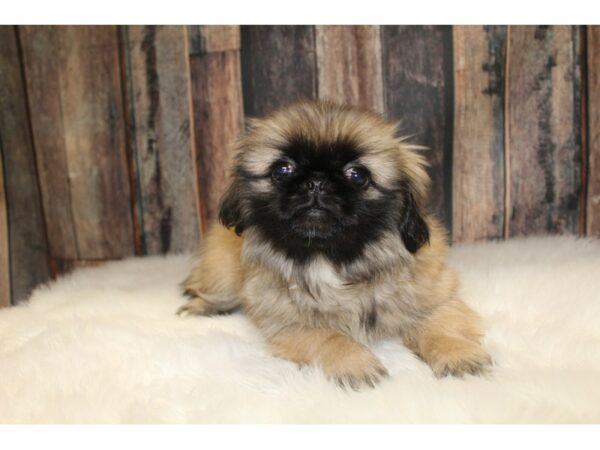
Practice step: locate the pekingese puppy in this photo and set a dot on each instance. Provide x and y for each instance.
(326, 246)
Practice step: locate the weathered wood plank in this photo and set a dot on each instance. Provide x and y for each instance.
(159, 105)
(593, 172)
(417, 76)
(43, 87)
(478, 150)
(279, 66)
(64, 266)
(213, 38)
(28, 245)
(218, 118)
(544, 129)
(75, 94)
(349, 64)
(5, 289)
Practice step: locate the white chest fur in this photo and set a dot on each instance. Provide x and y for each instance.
(317, 293)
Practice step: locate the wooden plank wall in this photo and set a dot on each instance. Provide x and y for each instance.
(25, 236)
(116, 140)
(544, 146)
(279, 66)
(417, 63)
(5, 285)
(77, 117)
(218, 108)
(592, 204)
(478, 144)
(161, 139)
(349, 64)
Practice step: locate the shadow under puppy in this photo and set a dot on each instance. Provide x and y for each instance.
(326, 247)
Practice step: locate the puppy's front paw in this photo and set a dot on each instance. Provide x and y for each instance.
(460, 358)
(354, 370)
(197, 306)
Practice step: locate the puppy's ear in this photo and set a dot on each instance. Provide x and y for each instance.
(413, 228)
(231, 213)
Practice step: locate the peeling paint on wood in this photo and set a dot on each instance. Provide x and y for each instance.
(544, 129)
(159, 105)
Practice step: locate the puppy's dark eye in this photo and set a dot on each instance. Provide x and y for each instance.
(357, 175)
(282, 170)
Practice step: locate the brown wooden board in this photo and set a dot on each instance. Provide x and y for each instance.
(25, 222)
(218, 119)
(593, 102)
(278, 65)
(43, 89)
(417, 77)
(64, 266)
(544, 129)
(161, 137)
(349, 64)
(478, 150)
(4, 249)
(75, 96)
(213, 38)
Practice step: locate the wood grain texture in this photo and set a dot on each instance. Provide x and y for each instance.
(5, 289)
(43, 87)
(349, 64)
(218, 118)
(544, 129)
(213, 38)
(279, 66)
(27, 245)
(478, 149)
(161, 136)
(417, 74)
(593, 172)
(75, 95)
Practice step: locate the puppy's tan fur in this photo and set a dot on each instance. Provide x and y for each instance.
(324, 315)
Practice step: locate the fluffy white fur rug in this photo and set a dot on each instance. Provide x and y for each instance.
(104, 345)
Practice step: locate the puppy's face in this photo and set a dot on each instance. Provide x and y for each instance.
(319, 178)
(319, 192)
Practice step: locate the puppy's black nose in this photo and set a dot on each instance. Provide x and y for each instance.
(315, 186)
(316, 182)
